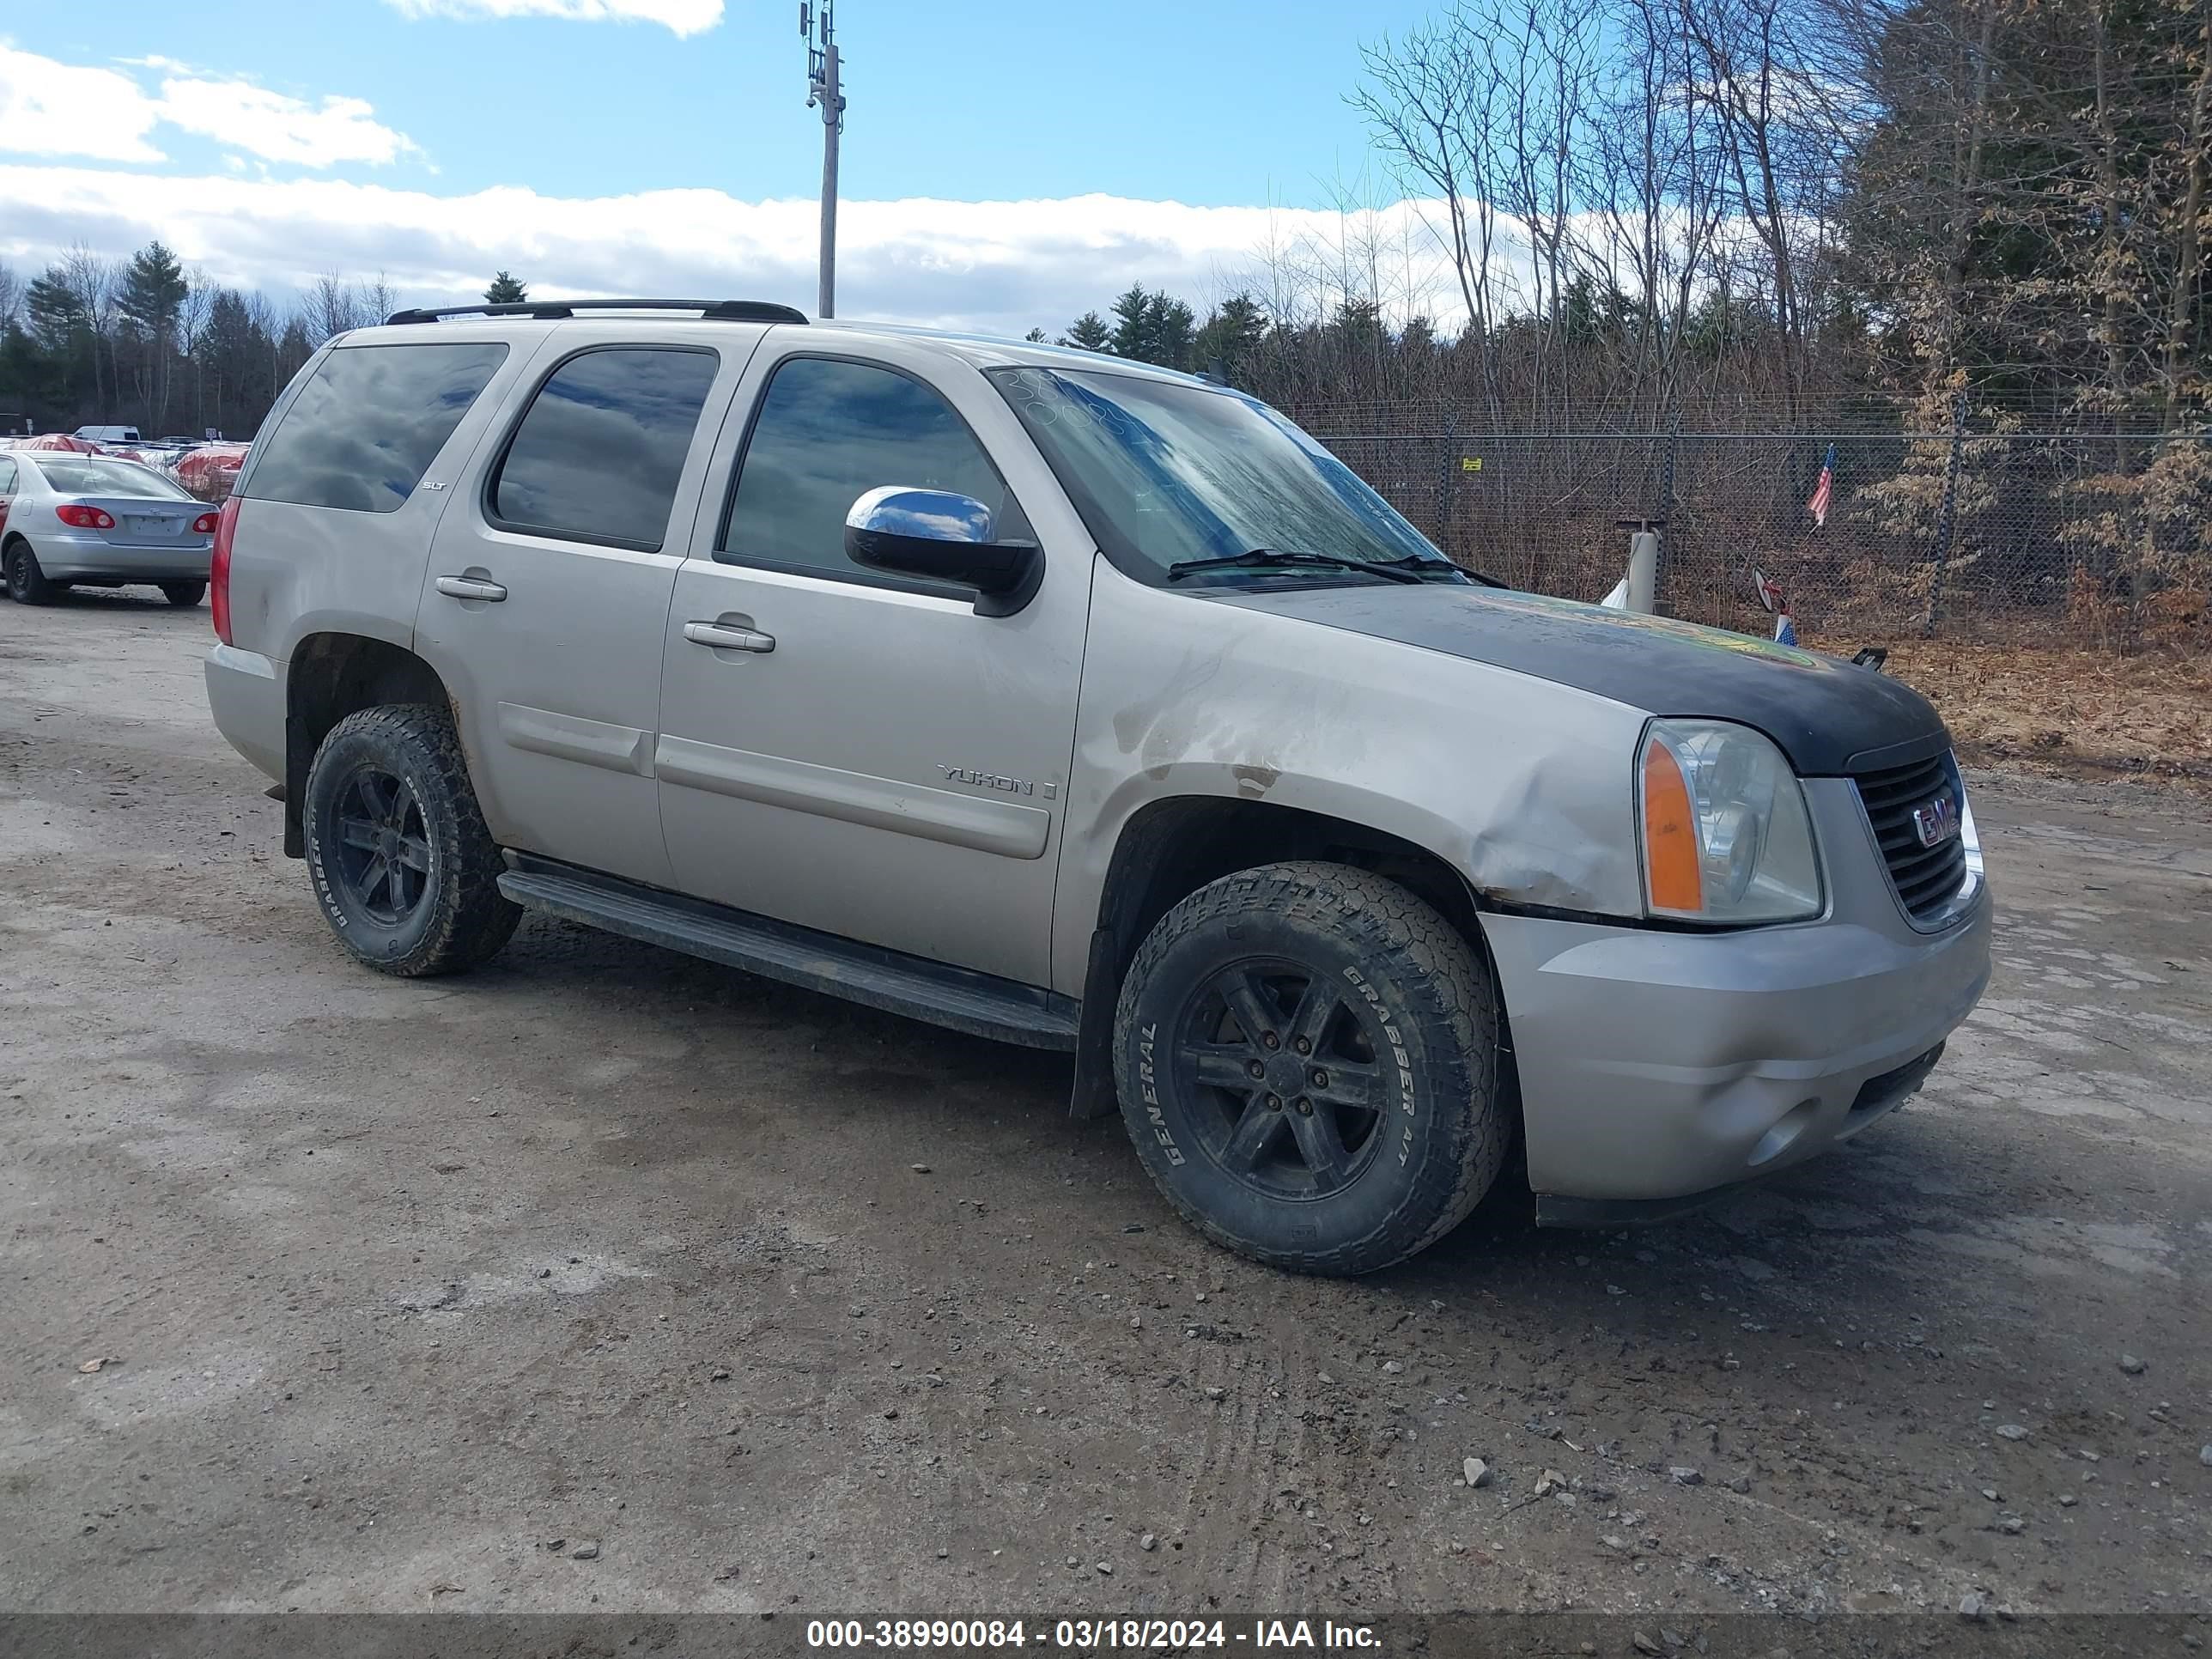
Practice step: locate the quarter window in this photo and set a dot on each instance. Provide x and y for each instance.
(598, 456)
(368, 422)
(826, 433)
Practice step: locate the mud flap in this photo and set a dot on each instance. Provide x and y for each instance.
(299, 756)
(1093, 1095)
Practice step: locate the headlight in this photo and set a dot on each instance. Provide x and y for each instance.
(1726, 835)
(1969, 837)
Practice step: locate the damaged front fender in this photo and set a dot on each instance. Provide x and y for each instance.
(1521, 784)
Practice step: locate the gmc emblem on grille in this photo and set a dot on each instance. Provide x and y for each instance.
(1938, 822)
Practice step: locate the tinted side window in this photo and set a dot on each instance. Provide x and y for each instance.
(7, 477)
(826, 433)
(366, 427)
(598, 456)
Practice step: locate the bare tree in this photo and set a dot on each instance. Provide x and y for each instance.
(379, 300)
(193, 312)
(332, 306)
(90, 282)
(1430, 99)
(2181, 313)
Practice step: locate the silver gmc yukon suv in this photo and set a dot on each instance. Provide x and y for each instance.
(1096, 708)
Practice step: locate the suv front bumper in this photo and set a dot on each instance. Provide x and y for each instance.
(1657, 1065)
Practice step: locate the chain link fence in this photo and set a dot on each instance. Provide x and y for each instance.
(2042, 539)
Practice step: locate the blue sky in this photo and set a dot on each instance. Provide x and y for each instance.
(422, 138)
(1213, 105)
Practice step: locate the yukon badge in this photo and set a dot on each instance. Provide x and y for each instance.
(997, 780)
(1938, 822)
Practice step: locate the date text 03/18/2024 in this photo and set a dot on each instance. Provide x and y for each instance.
(1087, 1635)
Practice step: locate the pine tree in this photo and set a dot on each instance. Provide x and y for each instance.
(53, 310)
(151, 294)
(506, 289)
(294, 348)
(1168, 329)
(1231, 336)
(1089, 331)
(1358, 324)
(1130, 338)
(153, 287)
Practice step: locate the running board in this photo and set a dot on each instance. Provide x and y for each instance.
(980, 1004)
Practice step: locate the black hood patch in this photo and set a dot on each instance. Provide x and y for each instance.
(1830, 717)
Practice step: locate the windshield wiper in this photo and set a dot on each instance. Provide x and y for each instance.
(1423, 562)
(1268, 558)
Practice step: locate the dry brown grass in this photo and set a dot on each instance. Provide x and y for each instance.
(2069, 712)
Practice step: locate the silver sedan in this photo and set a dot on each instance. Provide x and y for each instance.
(67, 519)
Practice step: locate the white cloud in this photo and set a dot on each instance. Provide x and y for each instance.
(684, 17)
(278, 128)
(1000, 267)
(48, 108)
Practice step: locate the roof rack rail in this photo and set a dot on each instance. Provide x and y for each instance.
(713, 311)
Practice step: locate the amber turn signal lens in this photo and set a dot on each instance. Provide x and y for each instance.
(1671, 868)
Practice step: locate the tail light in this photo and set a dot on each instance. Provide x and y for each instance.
(226, 527)
(85, 518)
(205, 525)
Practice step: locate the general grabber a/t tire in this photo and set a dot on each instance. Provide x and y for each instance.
(1307, 1057)
(404, 867)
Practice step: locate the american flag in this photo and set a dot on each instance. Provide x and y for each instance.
(1817, 507)
(1770, 596)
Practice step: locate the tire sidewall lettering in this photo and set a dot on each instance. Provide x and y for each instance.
(1148, 1088)
(1401, 1057)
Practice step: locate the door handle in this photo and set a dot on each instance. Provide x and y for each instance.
(471, 587)
(722, 637)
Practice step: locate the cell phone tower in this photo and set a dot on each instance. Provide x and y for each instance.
(825, 91)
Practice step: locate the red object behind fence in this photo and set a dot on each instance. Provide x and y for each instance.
(61, 440)
(209, 471)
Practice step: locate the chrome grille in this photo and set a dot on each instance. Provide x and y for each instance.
(1926, 878)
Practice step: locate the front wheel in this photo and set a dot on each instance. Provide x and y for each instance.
(184, 595)
(27, 583)
(1307, 1056)
(403, 866)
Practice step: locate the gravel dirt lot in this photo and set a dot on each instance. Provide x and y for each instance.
(606, 1279)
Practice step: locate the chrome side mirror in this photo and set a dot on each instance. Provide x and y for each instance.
(943, 537)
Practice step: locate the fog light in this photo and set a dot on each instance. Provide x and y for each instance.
(1783, 1134)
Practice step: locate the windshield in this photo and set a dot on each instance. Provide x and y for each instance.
(1166, 475)
(87, 475)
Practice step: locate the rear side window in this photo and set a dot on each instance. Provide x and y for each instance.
(598, 456)
(7, 477)
(826, 433)
(366, 427)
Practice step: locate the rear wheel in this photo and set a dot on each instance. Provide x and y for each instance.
(406, 872)
(27, 583)
(1307, 1056)
(184, 595)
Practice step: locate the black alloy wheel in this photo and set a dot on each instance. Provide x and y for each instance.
(1308, 1057)
(383, 846)
(405, 868)
(1286, 1065)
